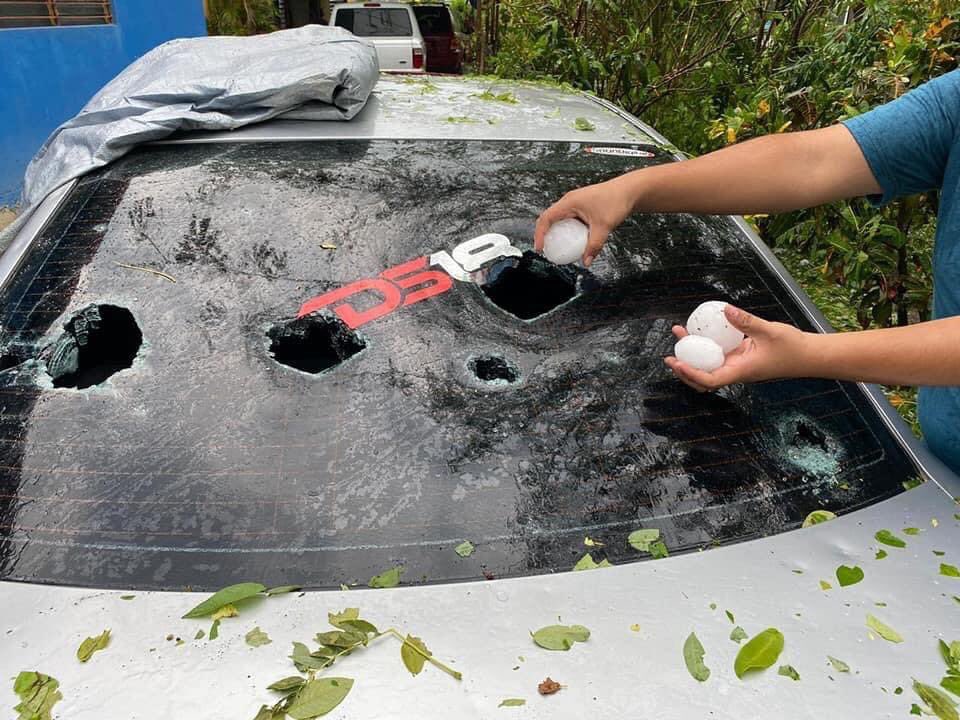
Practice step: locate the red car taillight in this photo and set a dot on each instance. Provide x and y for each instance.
(417, 58)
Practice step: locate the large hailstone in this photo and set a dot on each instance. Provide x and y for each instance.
(699, 352)
(565, 241)
(709, 321)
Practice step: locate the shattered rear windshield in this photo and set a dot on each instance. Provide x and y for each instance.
(169, 421)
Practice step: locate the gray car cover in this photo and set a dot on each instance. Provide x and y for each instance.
(209, 83)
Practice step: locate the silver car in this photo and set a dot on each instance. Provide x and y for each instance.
(324, 355)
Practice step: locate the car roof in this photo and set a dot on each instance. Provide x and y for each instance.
(460, 108)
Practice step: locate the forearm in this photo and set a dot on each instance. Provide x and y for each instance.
(923, 354)
(771, 174)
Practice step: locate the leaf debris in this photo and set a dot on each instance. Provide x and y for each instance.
(512, 702)
(883, 630)
(387, 579)
(760, 652)
(560, 637)
(693, 653)
(38, 694)
(549, 687)
(464, 549)
(90, 645)
(257, 638)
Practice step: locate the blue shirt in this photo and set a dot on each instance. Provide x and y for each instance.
(913, 144)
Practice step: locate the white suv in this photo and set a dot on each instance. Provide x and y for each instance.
(391, 27)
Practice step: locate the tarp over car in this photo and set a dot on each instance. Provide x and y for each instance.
(210, 83)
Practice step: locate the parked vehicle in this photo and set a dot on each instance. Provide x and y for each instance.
(443, 39)
(306, 352)
(391, 27)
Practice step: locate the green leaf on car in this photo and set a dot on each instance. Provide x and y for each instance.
(788, 671)
(847, 575)
(387, 579)
(817, 517)
(588, 563)
(693, 653)
(293, 682)
(838, 665)
(888, 538)
(730, 617)
(658, 550)
(282, 589)
(257, 638)
(560, 637)
(881, 554)
(584, 125)
(760, 652)
(642, 539)
(464, 549)
(883, 630)
(941, 704)
(738, 634)
(89, 646)
(949, 570)
(911, 531)
(38, 694)
(512, 702)
(226, 596)
(414, 654)
(824, 585)
(951, 683)
(214, 630)
(319, 696)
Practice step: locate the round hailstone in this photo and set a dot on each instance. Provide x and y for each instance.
(709, 321)
(565, 241)
(699, 352)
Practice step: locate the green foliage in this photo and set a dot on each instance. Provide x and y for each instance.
(242, 17)
(708, 74)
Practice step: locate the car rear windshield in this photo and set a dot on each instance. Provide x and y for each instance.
(375, 22)
(433, 20)
(169, 421)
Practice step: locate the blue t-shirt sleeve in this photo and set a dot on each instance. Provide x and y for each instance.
(907, 142)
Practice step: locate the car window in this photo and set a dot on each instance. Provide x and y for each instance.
(433, 20)
(169, 421)
(375, 22)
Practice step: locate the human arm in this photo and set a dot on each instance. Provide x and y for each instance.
(774, 173)
(922, 354)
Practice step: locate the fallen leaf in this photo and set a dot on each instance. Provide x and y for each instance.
(760, 652)
(294, 682)
(214, 630)
(949, 570)
(911, 531)
(282, 589)
(38, 694)
(257, 637)
(89, 646)
(883, 630)
(951, 683)
(635, 627)
(583, 125)
(127, 597)
(642, 539)
(788, 671)
(824, 585)
(226, 596)
(881, 554)
(888, 538)
(738, 634)
(942, 705)
(200, 634)
(388, 579)
(847, 575)
(730, 617)
(560, 637)
(548, 687)
(512, 702)
(838, 665)
(588, 563)
(412, 659)
(464, 549)
(590, 542)
(658, 550)
(318, 697)
(227, 611)
(817, 517)
(693, 653)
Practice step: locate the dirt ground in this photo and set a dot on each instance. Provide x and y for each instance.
(6, 217)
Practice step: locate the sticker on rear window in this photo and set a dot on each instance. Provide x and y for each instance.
(621, 151)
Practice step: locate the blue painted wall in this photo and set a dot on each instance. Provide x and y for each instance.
(48, 74)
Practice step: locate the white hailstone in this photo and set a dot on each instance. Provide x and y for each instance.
(565, 241)
(709, 321)
(699, 352)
